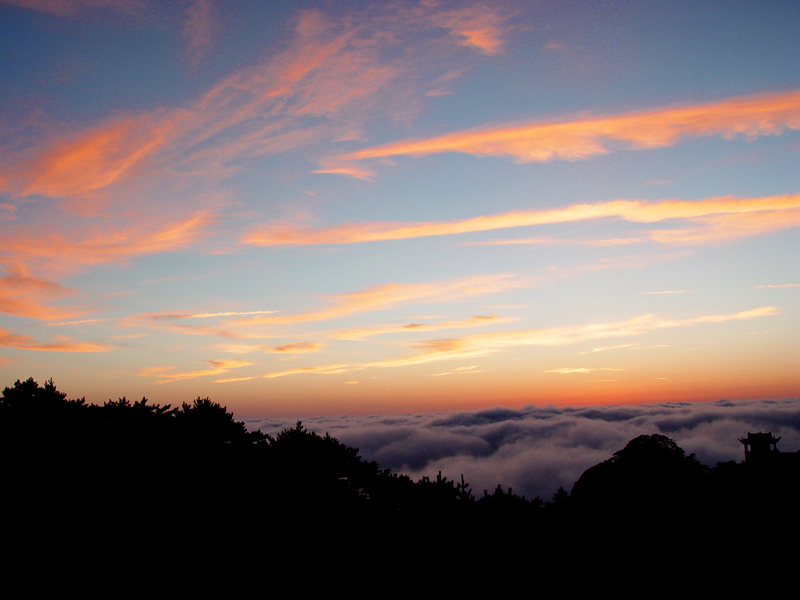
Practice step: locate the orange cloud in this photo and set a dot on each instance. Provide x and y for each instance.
(66, 253)
(69, 8)
(319, 370)
(394, 294)
(251, 113)
(296, 348)
(212, 315)
(717, 218)
(727, 227)
(334, 70)
(435, 350)
(217, 367)
(460, 371)
(572, 370)
(364, 332)
(545, 241)
(26, 342)
(616, 347)
(96, 158)
(239, 326)
(637, 326)
(232, 379)
(199, 29)
(477, 26)
(485, 343)
(351, 171)
(749, 116)
(24, 295)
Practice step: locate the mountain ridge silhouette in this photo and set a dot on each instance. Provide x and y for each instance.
(142, 467)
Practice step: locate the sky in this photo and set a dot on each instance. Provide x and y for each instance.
(319, 208)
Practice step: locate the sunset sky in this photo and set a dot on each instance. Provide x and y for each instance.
(339, 207)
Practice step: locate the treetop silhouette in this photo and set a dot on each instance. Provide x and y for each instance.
(197, 455)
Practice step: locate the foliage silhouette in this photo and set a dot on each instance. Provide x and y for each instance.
(190, 469)
(650, 475)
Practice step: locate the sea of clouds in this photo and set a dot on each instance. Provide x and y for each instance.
(536, 449)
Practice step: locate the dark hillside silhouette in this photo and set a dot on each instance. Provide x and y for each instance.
(650, 471)
(138, 469)
(652, 481)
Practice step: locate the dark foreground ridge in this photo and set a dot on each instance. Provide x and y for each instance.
(141, 469)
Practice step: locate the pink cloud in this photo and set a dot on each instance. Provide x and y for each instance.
(365, 332)
(477, 26)
(96, 158)
(199, 29)
(59, 252)
(26, 342)
(393, 294)
(748, 116)
(318, 370)
(25, 295)
(216, 367)
(296, 348)
(709, 220)
(71, 8)
(485, 343)
(334, 66)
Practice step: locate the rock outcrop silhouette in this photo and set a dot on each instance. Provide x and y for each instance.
(650, 472)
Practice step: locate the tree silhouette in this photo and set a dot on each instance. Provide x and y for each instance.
(35, 416)
(207, 423)
(141, 468)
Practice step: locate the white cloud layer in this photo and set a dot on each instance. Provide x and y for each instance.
(536, 449)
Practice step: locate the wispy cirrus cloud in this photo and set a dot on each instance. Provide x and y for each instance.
(331, 78)
(550, 241)
(199, 29)
(216, 367)
(573, 370)
(473, 369)
(484, 343)
(25, 295)
(379, 297)
(667, 292)
(706, 221)
(296, 348)
(91, 159)
(351, 171)
(635, 346)
(207, 315)
(391, 295)
(319, 370)
(414, 328)
(61, 344)
(636, 326)
(176, 322)
(729, 227)
(478, 26)
(62, 252)
(576, 139)
(73, 8)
